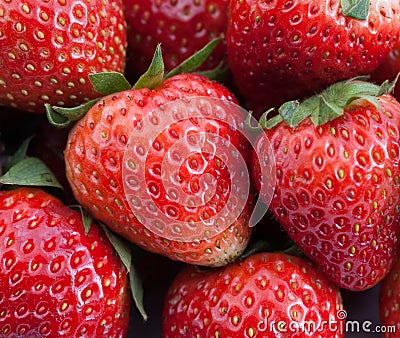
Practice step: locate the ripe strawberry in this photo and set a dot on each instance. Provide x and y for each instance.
(338, 180)
(389, 298)
(182, 27)
(100, 172)
(265, 295)
(389, 69)
(48, 50)
(55, 280)
(284, 50)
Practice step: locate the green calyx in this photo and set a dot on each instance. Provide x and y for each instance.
(107, 83)
(356, 9)
(329, 104)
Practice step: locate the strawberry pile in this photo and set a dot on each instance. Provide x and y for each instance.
(238, 159)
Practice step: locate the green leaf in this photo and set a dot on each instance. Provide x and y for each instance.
(107, 83)
(137, 291)
(196, 60)
(63, 117)
(287, 110)
(387, 86)
(249, 124)
(121, 246)
(75, 113)
(19, 155)
(356, 9)
(57, 120)
(331, 102)
(327, 111)
(124, 251)
(266, 123)
(352, 90)
(31, 171)
(217, 74)
(272, 122)
(154, 75)
(86, 217)
(371, 99)
(293, 112)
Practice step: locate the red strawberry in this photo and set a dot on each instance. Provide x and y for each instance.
(48, 50)
(265, 295)
(105, 180)
(284, 50)
(389, 69)
(389, 298)
(55, 280)
(182, 27)
(337, 191)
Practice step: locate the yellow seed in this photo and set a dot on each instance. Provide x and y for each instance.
(44, 16)
(251, 332)
(19, 27)
(26, 8)
(23, 47)
(40, 34)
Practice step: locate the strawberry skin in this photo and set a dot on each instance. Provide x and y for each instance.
(95, 162)
(389, 298)
(280, 50)
(337, 190)
(56, 281)
(182, 27)
(253, 298)
(48, 50)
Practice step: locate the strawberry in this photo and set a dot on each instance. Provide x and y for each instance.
(55, 280)
(179, 197)
(389, 298)
(388, 69)
(284, 50)
(263, 295)
(337, 171)
(47, 51)
(182, 27)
